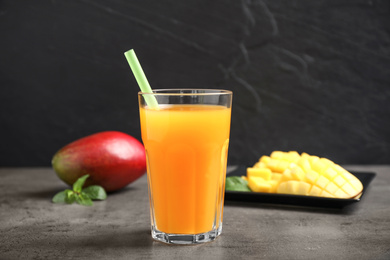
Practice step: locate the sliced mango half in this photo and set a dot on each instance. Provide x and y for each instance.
(302, 174)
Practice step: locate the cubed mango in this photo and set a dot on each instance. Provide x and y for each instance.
(291, 173)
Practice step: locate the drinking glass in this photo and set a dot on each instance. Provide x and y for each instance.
(186, 140)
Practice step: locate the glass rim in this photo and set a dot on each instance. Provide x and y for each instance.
(188, 92)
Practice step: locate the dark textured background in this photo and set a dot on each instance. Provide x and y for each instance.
(310, 76)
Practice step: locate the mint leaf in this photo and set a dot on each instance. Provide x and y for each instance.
(236, 183)
(59, 197)
(80, 195)
(84, 199)
(66, 196)
(95, 192)
(70, 196)
(79, 183)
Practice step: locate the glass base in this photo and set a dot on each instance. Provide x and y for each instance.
(186, 239)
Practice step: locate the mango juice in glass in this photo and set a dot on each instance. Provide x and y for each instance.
(186, 139)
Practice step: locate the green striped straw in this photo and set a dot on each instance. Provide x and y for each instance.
(142, 81)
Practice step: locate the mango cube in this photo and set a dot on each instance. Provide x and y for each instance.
(291, 156)
(321, 182)
(315, 191)
(320, 166)
(294, 187)
(276, 176)
(313, 159)
(277, 155)
(264, 173)
(258, 184)
(260, 165)
(312, 176)
(264, 159)
(304, 164)
(277, 165)
(297, 173)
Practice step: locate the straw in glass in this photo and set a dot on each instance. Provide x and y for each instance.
(142, 81)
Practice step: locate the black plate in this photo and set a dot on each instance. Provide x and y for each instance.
(296, 200)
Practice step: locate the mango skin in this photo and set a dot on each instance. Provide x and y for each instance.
(112, 159)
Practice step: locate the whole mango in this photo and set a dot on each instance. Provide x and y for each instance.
(112, 159)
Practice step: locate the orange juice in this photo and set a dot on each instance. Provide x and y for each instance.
(186, 148)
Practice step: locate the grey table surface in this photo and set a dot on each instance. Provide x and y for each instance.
(32, 227)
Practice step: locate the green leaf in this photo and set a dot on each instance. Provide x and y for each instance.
(77, 186)
(70, 196)
(236, 183)
(59, 197)
(84, 199)
(95, 192)
(79, 195)
(66, 196)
